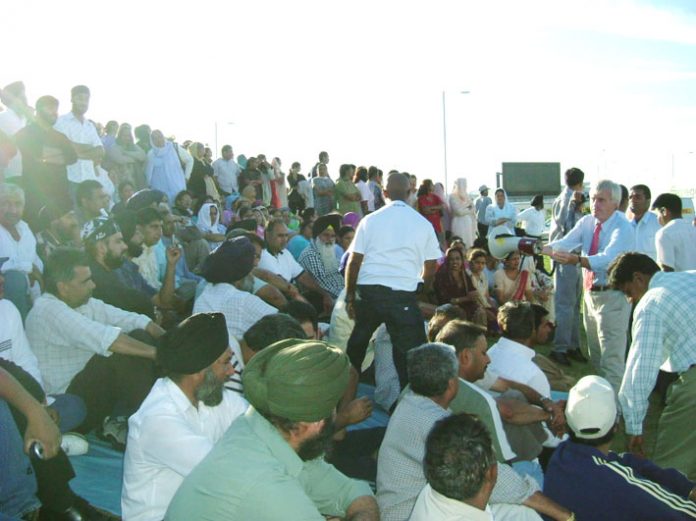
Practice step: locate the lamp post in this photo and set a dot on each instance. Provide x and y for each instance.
(217, 150)
(444, 130)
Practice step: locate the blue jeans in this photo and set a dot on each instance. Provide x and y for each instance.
(568, 282)
(17, 480)
(17, 291)
(71, 409)
(399, 311)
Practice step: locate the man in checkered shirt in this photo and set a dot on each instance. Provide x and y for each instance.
(664, 336)
(319, 258)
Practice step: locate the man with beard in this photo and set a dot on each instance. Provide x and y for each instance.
(319, 258)
(188, 409)
(87, 347)
(59, 227)
(45, 155)
(267, 466)
(106, 248)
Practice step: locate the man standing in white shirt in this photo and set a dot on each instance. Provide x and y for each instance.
(676, 240)
(644, 222)
(226, 171)
(383, 275)
(182, 418)
(82, 343)
(84, 136)
(12, 121)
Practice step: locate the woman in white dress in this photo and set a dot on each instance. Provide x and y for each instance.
(501, 213)
(463, 213)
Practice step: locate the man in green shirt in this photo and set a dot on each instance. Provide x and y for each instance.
(268, 465)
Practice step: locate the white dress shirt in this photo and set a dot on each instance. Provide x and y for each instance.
(14, 345)
(227, 174)
(21, 255)
(283, 264)
(645, 231)
(82, 132)
(534, 221)
(367, 195)
(676, 245)
(64, 339)
(167, 438)
(10, 124)
(513, 361)
(395, 240)
(433, 506)
(241, 309)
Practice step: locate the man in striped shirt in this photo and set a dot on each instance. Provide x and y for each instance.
(664, 335)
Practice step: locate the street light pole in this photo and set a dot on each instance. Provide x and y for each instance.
(444, 131)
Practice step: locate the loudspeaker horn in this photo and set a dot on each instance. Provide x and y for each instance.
(501, 243)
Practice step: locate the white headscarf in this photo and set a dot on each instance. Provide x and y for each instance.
(460, 190)
(203, 223)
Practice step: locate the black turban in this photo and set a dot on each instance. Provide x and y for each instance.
(194, 344)
(231, 261)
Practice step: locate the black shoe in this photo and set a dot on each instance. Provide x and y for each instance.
(80, 511)
(576, 354)
(559, 358)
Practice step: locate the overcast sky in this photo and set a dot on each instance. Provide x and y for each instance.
(605, 86)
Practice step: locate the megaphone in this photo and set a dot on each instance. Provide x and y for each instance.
(501, 243)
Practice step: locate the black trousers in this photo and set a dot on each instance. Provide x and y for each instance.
(110, 381)
(482, 230)
(399, 311)
(52, 475)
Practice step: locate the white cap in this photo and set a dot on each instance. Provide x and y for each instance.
(591, 408)
(483, 188)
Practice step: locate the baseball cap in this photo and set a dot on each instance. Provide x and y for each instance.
(483, 188)
(591, 408)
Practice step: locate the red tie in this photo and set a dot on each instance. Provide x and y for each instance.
(588, 276)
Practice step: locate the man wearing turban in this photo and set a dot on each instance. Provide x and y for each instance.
(182, 418)
(319, 258)
(267, 466)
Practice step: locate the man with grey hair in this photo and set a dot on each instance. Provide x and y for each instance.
(433, 376)
(601, 236)
(22, 266)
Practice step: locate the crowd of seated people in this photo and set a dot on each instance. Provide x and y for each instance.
(269, 345)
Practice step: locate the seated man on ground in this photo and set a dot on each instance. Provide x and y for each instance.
(22, 266)
(432, 373)
(83, 344)
(598, 484)
(461, 470)
(182, 418)
(107, 251)
(514, 496)
(92, 201)
(278, 260)
(152, 262)
(58, 227)
(268, 465)
(319, 258)
(544, 330)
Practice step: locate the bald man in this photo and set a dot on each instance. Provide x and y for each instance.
(393, 256)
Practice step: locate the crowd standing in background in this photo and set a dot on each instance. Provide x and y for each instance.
(266, 344)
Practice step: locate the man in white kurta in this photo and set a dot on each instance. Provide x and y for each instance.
(182, 418)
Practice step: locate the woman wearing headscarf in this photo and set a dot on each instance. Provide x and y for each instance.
(501, 213)
(201, 183)
(209, 224)
(463, 213)
(453, 285)
(163, 171)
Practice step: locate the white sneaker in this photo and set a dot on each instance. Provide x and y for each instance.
(74, 444)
